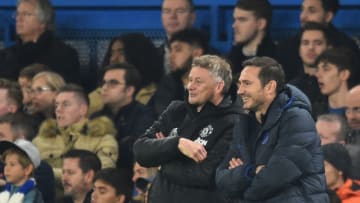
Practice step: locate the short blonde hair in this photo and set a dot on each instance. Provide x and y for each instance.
(54, 80)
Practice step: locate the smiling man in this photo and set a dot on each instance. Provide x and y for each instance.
(283, 154)
(191, 137)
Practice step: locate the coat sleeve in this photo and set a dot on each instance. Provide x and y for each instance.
(107, 151)
(152, 152)
(189, 173)
(233, 182)
(292, 157)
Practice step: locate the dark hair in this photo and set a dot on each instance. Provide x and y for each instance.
(261, 9)
(330, 5)
(77, 90)
(31, 70)
(13, 91)
(312, 26)
(338, 156)
(132, 76)
(142, 53)
(193, 37)
(20, 124)
(270, 69)
(191, 5)
(114, 178)
(87, 159)
(344, 59)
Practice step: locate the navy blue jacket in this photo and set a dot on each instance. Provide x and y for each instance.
(287, 144)
(180, 179)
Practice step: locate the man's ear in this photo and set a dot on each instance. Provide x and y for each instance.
(120, 198)
(345, 74)
(89, 176)
(271, 86)
(329, 17)
(262, 23)
(220, 86)
(197, 51)
(130, 91)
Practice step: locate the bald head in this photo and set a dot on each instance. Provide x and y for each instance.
(352, 104)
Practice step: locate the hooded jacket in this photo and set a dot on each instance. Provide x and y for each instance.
(349, 192)
(96, 135)
(287, 144)
(181, 179)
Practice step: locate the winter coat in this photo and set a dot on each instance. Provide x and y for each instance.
(349, 192)
(180, 179)
(97, 135)
(287, 144)
(47, 50)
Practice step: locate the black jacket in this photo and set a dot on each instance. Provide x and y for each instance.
(287, 144)
(48, 50)
(131, 121)
(236, 56)
(180, 179)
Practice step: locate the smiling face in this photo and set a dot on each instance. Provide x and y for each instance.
(313, 43)
(251, 90)
(176, 15)
(202, 87)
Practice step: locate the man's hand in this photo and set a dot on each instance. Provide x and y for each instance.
(235, 162)
(191, 149)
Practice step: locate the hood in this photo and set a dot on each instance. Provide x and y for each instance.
(290, 97)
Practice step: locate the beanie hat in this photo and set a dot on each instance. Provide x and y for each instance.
(337, 155)
(25, 146)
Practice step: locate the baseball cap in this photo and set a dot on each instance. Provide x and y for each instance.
(25, 146)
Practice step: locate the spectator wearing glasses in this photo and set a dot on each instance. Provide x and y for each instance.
(72, 130)
(35, 24)
(131, 118)
(25, 80)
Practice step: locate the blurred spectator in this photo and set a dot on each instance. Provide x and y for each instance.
(331, 128)
(176, 15)
(319, 11)
(184, 46)
(25, 80)
(108, 187)
(130, 117)
(142, 179)
(10, 97)
(335, 73)
(78, 172)
(352, 112)
(252, 23)
(18, 126)
(35, 25)
(337, 170)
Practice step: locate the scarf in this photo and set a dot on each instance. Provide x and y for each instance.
(17, 197)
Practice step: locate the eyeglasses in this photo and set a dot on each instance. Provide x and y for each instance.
(40, 90)
(22, 14)
(354, 110)
(111, 83)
